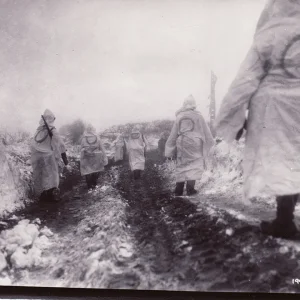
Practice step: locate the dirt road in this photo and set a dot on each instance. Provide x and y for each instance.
(201, 246)
(135, 234)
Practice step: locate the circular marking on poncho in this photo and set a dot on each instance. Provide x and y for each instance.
(294, 43)
(43, 138)
(191, 123)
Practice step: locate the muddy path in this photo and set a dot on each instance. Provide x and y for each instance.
(90, 247)
(67, 211)
(199, 247)
(53, 214)
(144, 216)
(174, 243)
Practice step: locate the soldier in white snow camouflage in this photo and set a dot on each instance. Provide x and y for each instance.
(92, 157)
(190, 142)
(47, 148)
(268, 86)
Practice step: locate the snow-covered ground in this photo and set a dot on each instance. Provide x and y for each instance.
(93, 245)
(22, 248)
(222, 186)
(15, 177)
(97, 252)
(223, 175)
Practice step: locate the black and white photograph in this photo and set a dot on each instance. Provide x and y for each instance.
(150, 145)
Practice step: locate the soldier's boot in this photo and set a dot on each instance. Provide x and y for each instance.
(283, 226)
(190, 188)
(179, 189)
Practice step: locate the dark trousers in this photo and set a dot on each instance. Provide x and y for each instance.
(91, 179)
(50, 195)
(190, 187)
(118, 163)
(283, 225)
(137, 174)
(285, 208)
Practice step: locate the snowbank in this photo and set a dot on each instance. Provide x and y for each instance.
(15, 177)
(21, 248)
(98, 253)
(108, 247)
(224, 172)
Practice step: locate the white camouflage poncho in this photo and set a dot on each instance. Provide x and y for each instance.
(45, 155)
(268, 83)
(136, 145)
(191, 140)
(92, 157)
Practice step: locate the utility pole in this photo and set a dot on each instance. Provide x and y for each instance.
(212, 107)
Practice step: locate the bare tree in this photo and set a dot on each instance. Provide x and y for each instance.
(74, 131)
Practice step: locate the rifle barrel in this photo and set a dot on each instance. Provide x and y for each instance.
(48, 129)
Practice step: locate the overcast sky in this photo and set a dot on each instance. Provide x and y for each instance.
(115, 61)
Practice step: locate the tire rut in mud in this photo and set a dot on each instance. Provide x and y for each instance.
(180, 240)
(189, 243)
(144, 217)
